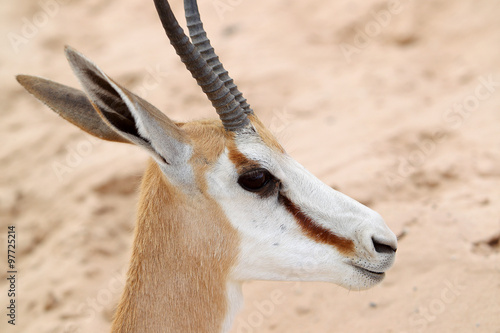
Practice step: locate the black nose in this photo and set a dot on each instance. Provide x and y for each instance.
(380, 247)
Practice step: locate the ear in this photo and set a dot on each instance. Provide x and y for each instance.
(115, 110)
(71, 104)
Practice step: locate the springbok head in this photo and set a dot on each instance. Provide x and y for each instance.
(290, 225)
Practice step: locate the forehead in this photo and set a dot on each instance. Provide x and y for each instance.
(210, 140)
(265, 135)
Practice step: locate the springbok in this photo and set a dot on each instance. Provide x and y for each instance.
(221, 201)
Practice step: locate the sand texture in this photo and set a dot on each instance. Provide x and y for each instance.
(396, 104)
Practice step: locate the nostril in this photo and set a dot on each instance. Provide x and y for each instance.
(383, 248)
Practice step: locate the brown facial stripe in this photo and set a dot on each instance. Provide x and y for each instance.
(315, 231)
(240, 161)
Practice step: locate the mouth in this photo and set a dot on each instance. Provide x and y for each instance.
(371, 274)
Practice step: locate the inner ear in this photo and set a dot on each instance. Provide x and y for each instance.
(111, 106)
(129, 115)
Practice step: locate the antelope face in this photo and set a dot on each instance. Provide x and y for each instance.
(293, 226)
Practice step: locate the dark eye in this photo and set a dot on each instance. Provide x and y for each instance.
(255, 180)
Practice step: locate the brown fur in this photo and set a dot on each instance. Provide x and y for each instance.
(266, 135)
(183, 250)
(308, 226)
(184, 245)
(240, 161)
(209, 140)
(315, 231)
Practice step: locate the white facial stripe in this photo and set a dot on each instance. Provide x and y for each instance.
(274, 246)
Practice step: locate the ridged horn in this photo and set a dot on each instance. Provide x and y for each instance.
(229, 110)
(202, 43)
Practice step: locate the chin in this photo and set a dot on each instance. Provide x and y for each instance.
(361, 279)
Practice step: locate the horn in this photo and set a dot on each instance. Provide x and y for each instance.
(229, 110)
(202, 43)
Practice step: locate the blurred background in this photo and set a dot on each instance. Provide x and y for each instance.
(394, 103)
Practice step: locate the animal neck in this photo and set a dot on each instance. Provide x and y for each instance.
(183, 251)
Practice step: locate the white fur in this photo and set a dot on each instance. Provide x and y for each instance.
(234, 297)
(273, 246)
(162, 144)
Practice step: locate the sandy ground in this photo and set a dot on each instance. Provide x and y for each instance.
(395, 104)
